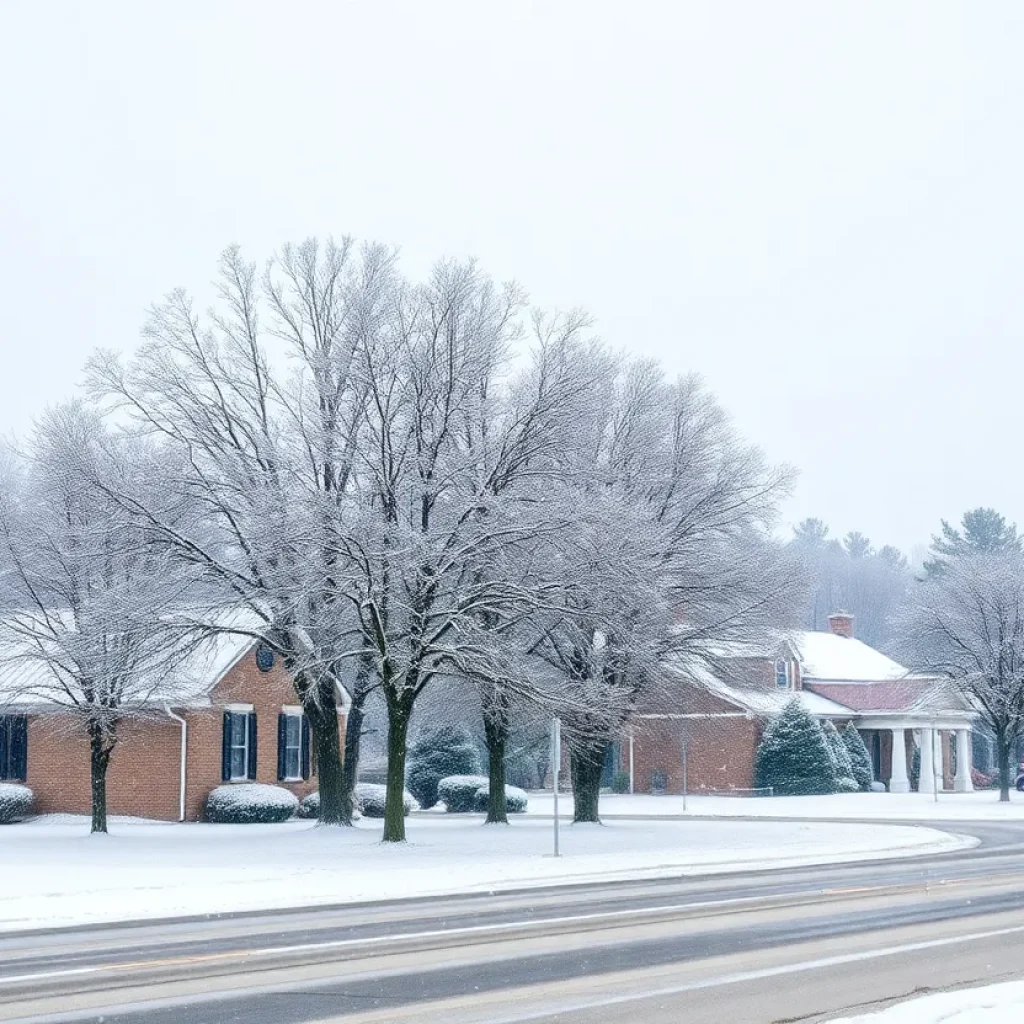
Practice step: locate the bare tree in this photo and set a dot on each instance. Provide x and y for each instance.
(966, 622)
(261, 457)
(92, 634)
(670, 556)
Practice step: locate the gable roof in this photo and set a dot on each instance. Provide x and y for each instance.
(184, 680)
(826, 656)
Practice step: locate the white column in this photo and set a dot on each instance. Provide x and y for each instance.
(898, 780)
(962, 783)
(926, 783)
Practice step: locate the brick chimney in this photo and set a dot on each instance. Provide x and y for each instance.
(841, 623)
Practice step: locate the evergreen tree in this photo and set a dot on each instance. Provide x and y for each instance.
(436, 754)
(793, 757)
(981, 530)
(839, 756)
(860, 759)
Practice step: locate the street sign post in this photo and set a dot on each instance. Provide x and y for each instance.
(556, 764)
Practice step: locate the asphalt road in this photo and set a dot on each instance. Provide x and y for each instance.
(760, 947)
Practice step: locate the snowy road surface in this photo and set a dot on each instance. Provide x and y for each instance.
(60, 875)
(754, 947)
(981, 806)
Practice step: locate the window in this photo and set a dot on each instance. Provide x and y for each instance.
(13, 748)
(781, 674)
(292, 746)
(264, 657)
(239, 752)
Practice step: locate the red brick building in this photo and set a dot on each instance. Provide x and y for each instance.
(719, 715)
(243, 723)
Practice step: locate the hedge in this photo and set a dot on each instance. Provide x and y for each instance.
(15, 802)
(458, 792)
(250, 803)
(515, 799)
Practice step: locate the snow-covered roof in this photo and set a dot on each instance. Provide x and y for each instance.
(760, 702)
(825, 656)
(181, 679)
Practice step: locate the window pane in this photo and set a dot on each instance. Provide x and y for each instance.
(292, 730)
(238, 765)
(291, 763)
(238, 726)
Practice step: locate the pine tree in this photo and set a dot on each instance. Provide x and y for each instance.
(436, 754)
(842, 768)
(793, 757)
(860, 759)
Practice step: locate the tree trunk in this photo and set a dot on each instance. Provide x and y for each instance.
(586, 763)
(399, 713)
(1003, 753)
(353, 737)
(101, 746)
(365, 684)
(496, 728)
(320, 702)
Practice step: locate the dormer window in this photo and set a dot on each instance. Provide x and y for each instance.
(781, 674)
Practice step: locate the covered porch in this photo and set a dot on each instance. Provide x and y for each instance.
(943, 744)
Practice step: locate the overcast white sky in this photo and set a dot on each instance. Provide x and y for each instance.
(816, 205)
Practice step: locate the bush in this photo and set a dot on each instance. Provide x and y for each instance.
(860, 759)
(980, 780)
(15, 802)
(793, 757)
(437, 754)
(309, 807)
(515, 799)
(250, 802)
(459, 792)
(370, 797)
(620, 782)
(842, 769)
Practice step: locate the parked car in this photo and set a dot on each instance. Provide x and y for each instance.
(1020, 777)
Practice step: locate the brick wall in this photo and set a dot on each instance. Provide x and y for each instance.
(143, 778)
(719, 753)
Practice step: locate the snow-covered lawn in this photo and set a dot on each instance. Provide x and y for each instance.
(57, 874)
(993, 1004)
(980, 806)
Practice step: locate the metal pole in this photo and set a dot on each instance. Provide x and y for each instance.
(556, 764)
(936, 762)
(684, 775)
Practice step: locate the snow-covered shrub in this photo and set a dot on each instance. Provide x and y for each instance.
(860, 759)
(793, 757)
(15, 802)
(515, 799)
(436, 754)
(458, 792)
(839, 756)
(250, 802)
(370, 800)
(980, 780)
(309, 807)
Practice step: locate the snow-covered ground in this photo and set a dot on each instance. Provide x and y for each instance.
(993, 1004)
(57, 874)
(980, 806)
